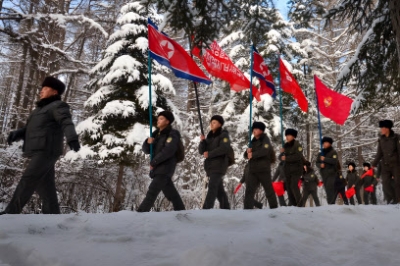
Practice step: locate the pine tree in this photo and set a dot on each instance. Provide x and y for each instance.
(119, 108)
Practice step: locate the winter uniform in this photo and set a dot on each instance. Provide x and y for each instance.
(310, 187)
(367, 181)
(43, 137)
(260, 171)
(329, 172)
(257, 204)
(293, 170)
(340, 185)
(165, 146)
(353, 179)
(389, 152)
(217, 144)
(280, 176)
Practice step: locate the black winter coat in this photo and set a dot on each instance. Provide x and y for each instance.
(352, 179)
(310, 181)
(388, 150)
(368, 180)
(45, 128)
(279, 173)
(263, 155)
(217, 144)
(340, 182)
(331, 163)
(165, 146)
(294, 158)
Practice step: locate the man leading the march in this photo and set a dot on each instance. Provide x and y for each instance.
(43, 137)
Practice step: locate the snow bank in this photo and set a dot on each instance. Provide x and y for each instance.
(329, 235)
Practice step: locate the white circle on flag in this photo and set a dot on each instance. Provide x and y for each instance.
(168, 48)
(265, 71)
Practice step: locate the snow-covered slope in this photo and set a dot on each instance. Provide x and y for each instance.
(328, 235)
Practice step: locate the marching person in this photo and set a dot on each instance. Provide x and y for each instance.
(162, 166)
(310, 185)
(292, 155)
(279, 176)
(389, 152)
(353, 181)
(369, 181)
(43, 137)
(328, 164)
(260, 157)
(340, 188)
(215, 149)
(257, 204)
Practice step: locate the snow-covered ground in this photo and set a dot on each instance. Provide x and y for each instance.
(328, 235)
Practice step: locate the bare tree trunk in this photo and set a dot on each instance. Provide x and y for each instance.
(118, 190)
(394, 6)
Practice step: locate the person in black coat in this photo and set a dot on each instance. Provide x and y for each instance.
(310, 185)
(340, 188)
(353, 180)
(257, 204)
(260, 157)
(165, 143)
(215, 149)
(369, 181)
(43, 137)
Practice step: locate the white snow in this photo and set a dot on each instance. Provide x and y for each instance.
(123, 66)
(328, 235)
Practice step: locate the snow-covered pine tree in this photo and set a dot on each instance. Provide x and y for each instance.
(119, 108)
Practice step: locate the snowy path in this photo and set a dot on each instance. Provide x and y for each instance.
(329, 235)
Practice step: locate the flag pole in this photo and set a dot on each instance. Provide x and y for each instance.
(150, 104)
(319, 118)
(280, 100)
(251, 93)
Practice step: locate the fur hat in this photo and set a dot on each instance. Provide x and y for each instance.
(352, 164)
(386, 123)
(260, 125)
(218, 118)
(291, 131)
(367, 165)
(327, 139)
(55, 84)
(168, 115)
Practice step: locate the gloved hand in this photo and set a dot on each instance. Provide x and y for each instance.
(74, 145)
(15, 136)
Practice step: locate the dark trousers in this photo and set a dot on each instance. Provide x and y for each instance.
(216, 191)
(39, 176)
(307, 193)
(391, 183)
(329, 185)
(369, 195)
(293, 190)
(358, 196)
(252, 183)
(258, 204)
(161, 183)
(342, 192)
(282, 201)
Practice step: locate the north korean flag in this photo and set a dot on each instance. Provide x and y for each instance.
(261, 71)
(170, 54)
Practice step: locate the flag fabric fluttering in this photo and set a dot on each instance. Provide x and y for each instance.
(332, 104)
(219, 65)
(169, 53)
(261, 71)
(289, 84)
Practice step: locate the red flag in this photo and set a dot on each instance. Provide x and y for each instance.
(278, 188)
(370, 172)
(218, 64)
(369, 189)
(169, 53)
(237, 188)
(261, 71)
(289, 84)
(332, 104)
(350, 192)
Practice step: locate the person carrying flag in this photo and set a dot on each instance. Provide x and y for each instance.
(215, 148)
(328, 164)
(353, 181)
(260, 157)
(292, 155)
(369, 181)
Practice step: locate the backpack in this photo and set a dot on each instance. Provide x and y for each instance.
(231, 156)
(180, 152)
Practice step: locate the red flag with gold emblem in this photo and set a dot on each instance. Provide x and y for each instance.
(332, 104)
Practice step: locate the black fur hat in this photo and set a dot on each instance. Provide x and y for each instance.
(168, 115)
(219, 118)
(367, 165)
(386, 123)
(352, 164)
(327, 139)
(259, 125)
(55, 84)
(291, 131)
